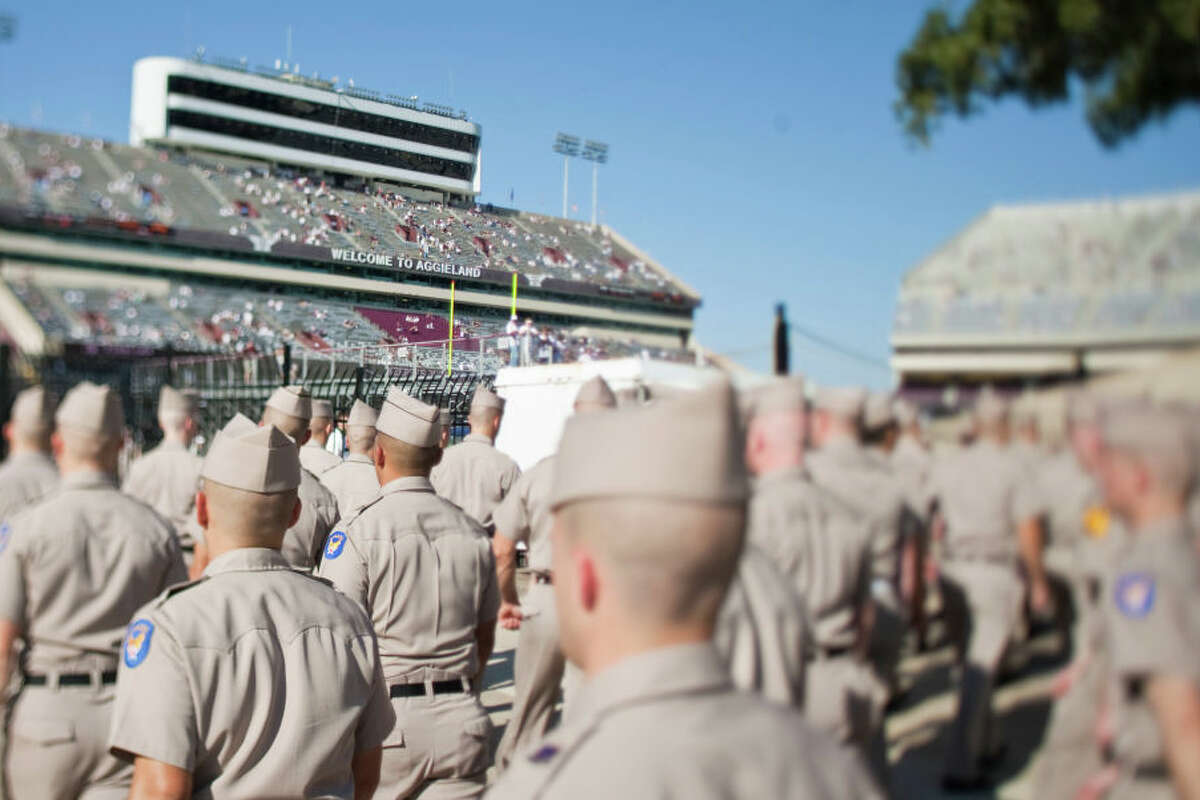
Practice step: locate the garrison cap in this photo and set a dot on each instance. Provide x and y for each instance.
(408, 419)
(295, 401)
(362, 415)
(32, 414)
(595, 395)
(1159, 437)
(486, 398)
(173, 401)
(91, 410)
(686, 449)
(846, 402)
(238, 423)
(777, 396)
(990, 407)
(262, 460)
(905, 411)
(322, 408)
(878, 410)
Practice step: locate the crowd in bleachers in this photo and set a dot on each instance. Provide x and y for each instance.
(82, 177)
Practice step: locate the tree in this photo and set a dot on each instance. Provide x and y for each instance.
(1138, 60)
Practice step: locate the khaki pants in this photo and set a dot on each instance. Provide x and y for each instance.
(982, 607)
(58, 746)
(438, 749)
(887, 637)
(537, 674)
(1069, 753)
(844, 698)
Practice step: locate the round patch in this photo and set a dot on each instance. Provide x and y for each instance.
(137, 642)
(1095, 522)
(335, 545)
(5, 535)
(1134, 594)
(544, 754)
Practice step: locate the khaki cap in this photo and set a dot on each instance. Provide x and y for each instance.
(595, 395)
(362, 415)
(32, 414)
(171, 400)
(878, 410)
(1161, 438)
(846, 402)
(779, 396)
(990, 407)
(408, 419)
(486, 398)
(262, 460)
(688, 449)
(295, 401)
(905, 412)
(92, 410)
(322, 408)
(239, 423)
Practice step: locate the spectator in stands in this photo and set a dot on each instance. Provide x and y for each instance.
(527, 330)
(511, 330)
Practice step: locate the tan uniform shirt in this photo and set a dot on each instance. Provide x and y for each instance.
(524, 514)
(911, 464)
(166, 479)
(847, 470)
(260, 681)
(821, 544)
(985, 493)
(303, 541)
(425, 573)
(75, 568)
(475, 476)
(1152, 621)
(762, 631)
(316, 459)
(668, 724)
(352, 482)
(25, 478)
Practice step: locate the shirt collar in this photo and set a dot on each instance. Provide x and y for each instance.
(359, 458)
(413, 483)
(247, 559)
(89, 479)
(477, 437)
(674, 670)
(32, 457)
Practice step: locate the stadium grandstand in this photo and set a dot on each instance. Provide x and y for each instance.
(1039, 294)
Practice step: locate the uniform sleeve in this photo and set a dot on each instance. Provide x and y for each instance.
(489, 599)
(510, 475)
(378, 717)
(176, 570)
(511, 517)
(343, 564)
(12, 575)
(1028, 499)
(1148, 627)
(153, 715)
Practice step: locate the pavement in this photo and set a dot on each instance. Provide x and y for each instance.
(917, 728)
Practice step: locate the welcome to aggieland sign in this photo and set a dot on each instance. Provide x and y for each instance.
(400, 262)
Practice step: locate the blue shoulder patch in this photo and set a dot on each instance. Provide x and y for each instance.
(137, 642)
(5, 535)
(544, 754)
(1134, 594)
(335, 545)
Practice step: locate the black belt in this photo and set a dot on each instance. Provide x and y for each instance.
(453, 686)
(1152, 772)
(72, 679)
(835, 652)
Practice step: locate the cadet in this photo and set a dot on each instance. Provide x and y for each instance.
(1151, 609)
(353, 481)
(649, 507)
(990, 507)
(256, 680)
(29, 472)
(444, 420)
(290, 408)
(524, 516)
(313, 455)
(166, 478)
(425, 573)
(73, 570)
(911, 463)
(474, 475)
(824, 546)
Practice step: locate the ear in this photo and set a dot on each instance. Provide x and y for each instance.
(8, 431)
(378, 456)
(56, 444)
(496, 424)
(304, 439)
(202, 509)
(295, 512)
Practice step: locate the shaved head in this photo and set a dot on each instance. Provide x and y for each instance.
(360, 439)
(250, 517)
(402, 459)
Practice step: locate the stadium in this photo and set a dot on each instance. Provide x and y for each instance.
(276, 226)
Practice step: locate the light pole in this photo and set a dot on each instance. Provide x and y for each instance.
(567, 146)
(597, 153)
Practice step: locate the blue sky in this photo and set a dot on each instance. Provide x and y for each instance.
(754, 148)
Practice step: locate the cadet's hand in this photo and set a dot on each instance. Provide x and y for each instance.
(510, 616)
(1098, 785)
(1040, 600)
(1064, 680)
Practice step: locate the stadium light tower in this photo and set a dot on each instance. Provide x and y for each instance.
(597, 153)
(568, 146)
